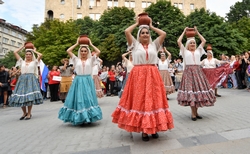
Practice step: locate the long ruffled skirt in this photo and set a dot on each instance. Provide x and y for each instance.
(167, 81)
(27, 92)
(98, 87)
(195, 89)
(217, 75)
(143, 106)
(81, 104)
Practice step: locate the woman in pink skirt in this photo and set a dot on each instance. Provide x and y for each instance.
(195, 90)
(163, 64)
(143, 106)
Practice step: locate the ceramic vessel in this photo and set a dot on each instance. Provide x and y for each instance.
(84, 39)
(190, 32)
(144, 19)
(209, 47)
(29, 45)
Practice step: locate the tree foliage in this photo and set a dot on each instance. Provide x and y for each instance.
(9, 59)
(238, 11)
(170, 19)
(111, 28)
(53, 38)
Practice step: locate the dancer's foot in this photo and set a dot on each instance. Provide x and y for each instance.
(145, 137)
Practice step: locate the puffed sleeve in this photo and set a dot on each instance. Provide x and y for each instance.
(157, 44)
(217, 62)
(182, 50)
(201, 50)
(19, 62)
(134, 44)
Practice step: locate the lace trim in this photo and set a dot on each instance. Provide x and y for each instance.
(144, 113)
(196, 91)
(83, 110)
(26, 94)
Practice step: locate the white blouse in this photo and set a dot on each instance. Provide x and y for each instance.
(163, 65)
(210, 63)
(83, 68)
(192, 58)
(29, 68)
(139, 53)
(128, 64)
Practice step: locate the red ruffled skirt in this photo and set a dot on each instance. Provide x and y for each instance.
(217, 75)
(143, 106)
(195, 89)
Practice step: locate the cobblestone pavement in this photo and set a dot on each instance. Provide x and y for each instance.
(225, 128)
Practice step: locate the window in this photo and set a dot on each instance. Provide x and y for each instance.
(13, 42)
(19, 44)
(13, 33)
(132, 4)
(5, 50)
(20, 36)
(149, 3)
(176, 4)
(79, 16)
(144, 4)
(192, 6)
(79, 3)
(91, 2)
(92, 16)
(116, 3)
(109, 3)
(126, 4)
(61, 16)
(180, 6)
(98, 3)
(97, 16)
(62, 2)
(6, 30)
(5, 40)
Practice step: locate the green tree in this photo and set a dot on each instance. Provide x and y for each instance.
(53, 38)
(9, 59)
(170, 19)
(225, 39)
(111, 28)
(238, 11)
(243, 26)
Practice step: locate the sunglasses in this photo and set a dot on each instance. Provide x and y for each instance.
(144, 32)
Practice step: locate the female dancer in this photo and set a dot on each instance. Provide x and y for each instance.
(163, 68)
(81, 104)
(128, 64)
(143, 106)
(27, 90)
(194, 91)
(96, 78)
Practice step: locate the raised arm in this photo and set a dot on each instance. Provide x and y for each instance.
(70, 49)
(161, 33)
(125, 54)
(129, 30)
(179, 41)
(39, 55)
(97, 51)
(16, 53)
(203, 41)
(169, 54)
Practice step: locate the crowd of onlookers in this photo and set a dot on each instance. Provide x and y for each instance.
(112, 77)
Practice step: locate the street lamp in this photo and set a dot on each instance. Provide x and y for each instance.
(1, 2)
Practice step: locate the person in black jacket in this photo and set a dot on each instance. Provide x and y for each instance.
(4, 85)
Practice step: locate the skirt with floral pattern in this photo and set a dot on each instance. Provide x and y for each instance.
(195, 89)
(27, 92)
(143, 106)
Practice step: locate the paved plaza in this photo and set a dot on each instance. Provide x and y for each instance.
(224, 129)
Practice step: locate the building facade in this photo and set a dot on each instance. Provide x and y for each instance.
(76, 9)
(11, 37)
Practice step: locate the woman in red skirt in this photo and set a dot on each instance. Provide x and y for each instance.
(195, 90)
(143, 106)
